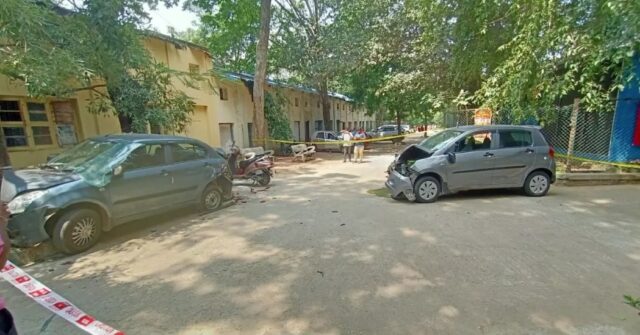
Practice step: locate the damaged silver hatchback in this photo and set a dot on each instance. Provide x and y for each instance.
(474, 157)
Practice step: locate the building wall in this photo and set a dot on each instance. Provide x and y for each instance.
(83, 123)
(213, 111)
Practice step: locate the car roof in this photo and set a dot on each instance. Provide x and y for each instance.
(133, 138)
(494, 127)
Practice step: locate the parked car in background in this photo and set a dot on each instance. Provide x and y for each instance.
(327, 140)
(474, 157)
(109, 180)
(407, 129)
(390, 130)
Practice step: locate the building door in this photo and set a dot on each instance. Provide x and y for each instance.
(226, 134)
(296, 130)
(307, 135)
(250, 133)
(199, 127)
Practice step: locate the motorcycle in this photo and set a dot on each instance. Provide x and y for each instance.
(256, 167)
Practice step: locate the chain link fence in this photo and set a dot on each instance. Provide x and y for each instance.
(581, 138)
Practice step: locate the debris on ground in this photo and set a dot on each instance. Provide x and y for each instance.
(263, 201)
(334, 211)
(253, 190)
(321, 273)
(343, 224)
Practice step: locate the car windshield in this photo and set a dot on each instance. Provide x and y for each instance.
(91, 159)
(439, 140)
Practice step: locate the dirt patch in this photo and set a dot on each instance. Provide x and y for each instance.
(380, 192)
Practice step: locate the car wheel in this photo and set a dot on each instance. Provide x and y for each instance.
(263, 179)
(77, 230)
(211, 198)
(537, 184)
(427, 189)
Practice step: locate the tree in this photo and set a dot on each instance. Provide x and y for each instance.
(94, 45)
(229, 29)
(261, 71)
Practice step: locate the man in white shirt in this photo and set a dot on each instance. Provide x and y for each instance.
(359, 146)
(346, 146)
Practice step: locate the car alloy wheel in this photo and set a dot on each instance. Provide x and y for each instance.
(428, 190)
(538, 184)
(76, 230)
(84, 232)
(211, 198)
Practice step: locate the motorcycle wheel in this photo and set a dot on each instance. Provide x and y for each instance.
(263, 179)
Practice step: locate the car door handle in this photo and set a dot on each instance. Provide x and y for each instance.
(488, 154)
(529, 151)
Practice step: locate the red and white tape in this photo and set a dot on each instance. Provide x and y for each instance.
(53, 301)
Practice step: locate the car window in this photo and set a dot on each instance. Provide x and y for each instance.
(331, 136)
(475, 141)
(184, 152)
(146, 156)
(515, 138)
(320, 136)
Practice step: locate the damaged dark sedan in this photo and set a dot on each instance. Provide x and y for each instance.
(109, 180)
(474, 157)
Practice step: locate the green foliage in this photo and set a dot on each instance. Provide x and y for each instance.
(276, 117)
(633, 302)
(229, 28)
(420, 57)
(94, 46)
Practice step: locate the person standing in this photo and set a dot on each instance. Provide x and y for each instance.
(359, 146)
(346, 145)
(7, 326)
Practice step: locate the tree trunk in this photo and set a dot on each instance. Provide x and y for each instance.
(261, 74)
(326, 106)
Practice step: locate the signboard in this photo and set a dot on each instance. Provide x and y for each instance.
(482, 117)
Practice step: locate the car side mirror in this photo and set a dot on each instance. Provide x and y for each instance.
(117, 171)
(451, 157)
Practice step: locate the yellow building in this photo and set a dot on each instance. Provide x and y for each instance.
(37, 128)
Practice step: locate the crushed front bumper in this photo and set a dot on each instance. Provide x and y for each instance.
(27, 229)
(399, 184)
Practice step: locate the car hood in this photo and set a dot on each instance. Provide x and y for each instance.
(16, 182)
(413, 152)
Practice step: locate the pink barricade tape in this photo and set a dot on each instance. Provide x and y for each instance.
(53, 301)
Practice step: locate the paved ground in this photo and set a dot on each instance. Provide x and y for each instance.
(317, 254)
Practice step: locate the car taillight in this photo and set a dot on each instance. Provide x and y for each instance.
(552, 153)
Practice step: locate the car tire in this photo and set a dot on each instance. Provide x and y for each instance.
(427, 189)
(77, 230)
(537, 184)
(211, 199)
(263, 179)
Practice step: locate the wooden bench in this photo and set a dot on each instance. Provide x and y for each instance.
(302, 152)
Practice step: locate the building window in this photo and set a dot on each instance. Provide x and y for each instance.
(296, 102)
(318, 124)
(194, 69)
(338, 106)
(20, 120)
(224, 94)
